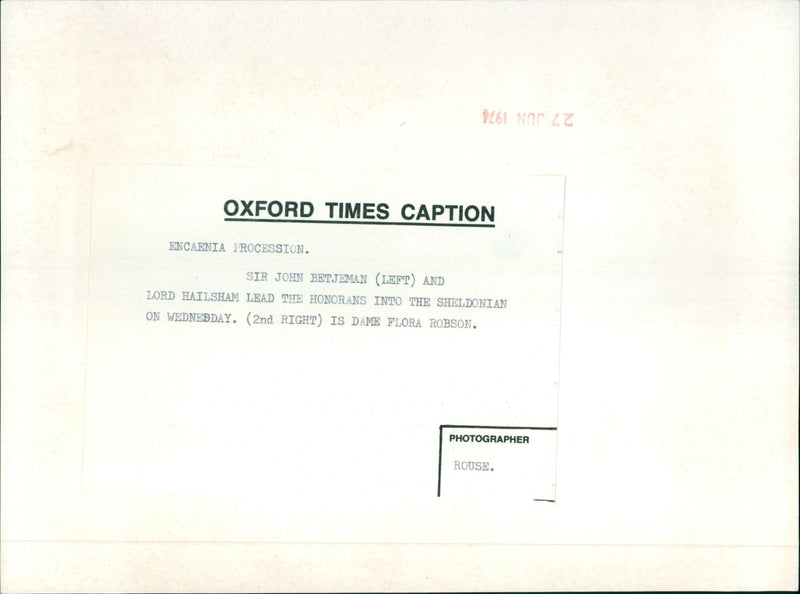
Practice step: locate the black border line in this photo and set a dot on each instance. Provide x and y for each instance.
(498, 427)
(439, 484)
(353, 222)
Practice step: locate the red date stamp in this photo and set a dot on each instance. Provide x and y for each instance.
(528, 118)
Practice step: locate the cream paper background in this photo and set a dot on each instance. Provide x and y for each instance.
(332, 420)
(677, 457)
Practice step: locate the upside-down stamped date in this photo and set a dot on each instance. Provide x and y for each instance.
(532, 119)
